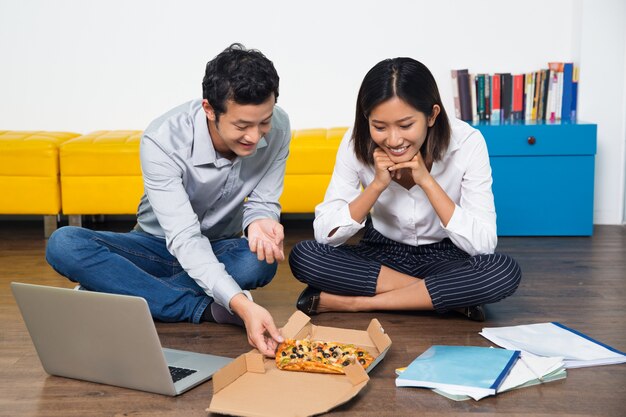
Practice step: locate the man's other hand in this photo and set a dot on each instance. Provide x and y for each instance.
(265, 237)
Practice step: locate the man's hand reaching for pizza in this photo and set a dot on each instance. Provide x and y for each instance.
(265, 237)
(262, 332)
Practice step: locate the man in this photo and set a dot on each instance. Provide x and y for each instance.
(212, 168)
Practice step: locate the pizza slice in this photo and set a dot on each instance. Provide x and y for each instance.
(317, 356)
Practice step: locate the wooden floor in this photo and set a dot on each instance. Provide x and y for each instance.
(578, 281)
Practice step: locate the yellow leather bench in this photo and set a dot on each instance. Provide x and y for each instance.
(309, 168)
(101, 173)
(29, 174)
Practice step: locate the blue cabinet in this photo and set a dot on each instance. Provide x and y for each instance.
(543, 177)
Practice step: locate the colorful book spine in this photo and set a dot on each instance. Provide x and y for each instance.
(464, 95)
(487, 97)
(557, 67)
(545, 95)
(536, 91)
(529, 94)
(559, 95)
(472, 84)
(545, 85)
(574, 94)
(507, 96)
(480, 96)
(496, 113)
(551, 104)
(518, 97)
(455, 93)
(568, 82)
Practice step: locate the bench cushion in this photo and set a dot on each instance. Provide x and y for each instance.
(101, 173)
(29, 171)
(309, 168)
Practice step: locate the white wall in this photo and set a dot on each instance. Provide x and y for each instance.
(602, 100)
(80, 65)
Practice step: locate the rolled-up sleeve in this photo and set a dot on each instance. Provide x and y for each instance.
(333, 214)
(163, 183)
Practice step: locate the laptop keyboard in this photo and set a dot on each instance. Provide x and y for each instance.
(180, 373)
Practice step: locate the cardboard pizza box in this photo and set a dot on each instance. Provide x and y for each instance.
(253, 386)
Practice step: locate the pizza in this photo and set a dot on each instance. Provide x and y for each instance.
(317, 356)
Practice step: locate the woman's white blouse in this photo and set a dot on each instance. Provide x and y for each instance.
(407, 216)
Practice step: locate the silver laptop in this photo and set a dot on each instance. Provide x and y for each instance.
(107, 338)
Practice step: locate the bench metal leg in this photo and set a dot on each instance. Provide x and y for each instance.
(49, 225)
(75, 220)
(97, 218)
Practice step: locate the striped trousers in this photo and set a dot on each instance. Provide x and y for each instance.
(453, 278)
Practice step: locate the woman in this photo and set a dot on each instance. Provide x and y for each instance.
(425, 181)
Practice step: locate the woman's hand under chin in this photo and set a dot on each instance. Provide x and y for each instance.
(417, 167)
(382, 167)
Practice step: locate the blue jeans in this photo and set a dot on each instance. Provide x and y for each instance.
(137, 263)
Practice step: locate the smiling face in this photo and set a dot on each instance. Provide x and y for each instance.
(399, 129)
(240, 128)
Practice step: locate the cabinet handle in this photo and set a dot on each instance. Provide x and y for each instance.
(532, 140)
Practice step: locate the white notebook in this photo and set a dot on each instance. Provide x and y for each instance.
(554, 339)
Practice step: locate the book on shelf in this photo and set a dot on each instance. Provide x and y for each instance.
(507, 96)
(465, 98)
(472, 370)
(548, 94)
(574, 94)
(487, 97)
(480, 96)
(568, 81)
(473, 101)
(543, 94)
(455, 93)
(536, 90)
(528, 96)
(552, 96)
(559, 95)
(495, 98)
(518, 97)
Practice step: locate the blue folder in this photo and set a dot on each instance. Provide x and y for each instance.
(471, 369)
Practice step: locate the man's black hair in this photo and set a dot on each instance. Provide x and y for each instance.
(243, 75)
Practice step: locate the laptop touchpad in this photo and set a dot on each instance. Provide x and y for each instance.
(173, 356)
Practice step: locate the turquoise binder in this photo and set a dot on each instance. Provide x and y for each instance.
(471, 369)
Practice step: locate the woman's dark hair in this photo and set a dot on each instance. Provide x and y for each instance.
(243, 75)
(412, 82)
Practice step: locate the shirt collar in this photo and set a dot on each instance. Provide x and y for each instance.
(203, 151)
(454, 144)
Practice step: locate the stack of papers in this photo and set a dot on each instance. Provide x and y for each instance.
(555, 339)
(466, 370)
(528, 370)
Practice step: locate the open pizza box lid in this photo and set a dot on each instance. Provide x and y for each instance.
(253, 386)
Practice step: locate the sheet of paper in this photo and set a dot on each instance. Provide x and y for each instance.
(532, 369)
(552, 339)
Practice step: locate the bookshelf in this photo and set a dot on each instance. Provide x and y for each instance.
(545, 95)
(543, 177)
